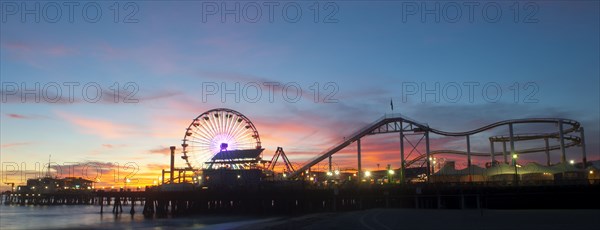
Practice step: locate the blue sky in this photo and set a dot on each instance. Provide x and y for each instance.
(366, 54)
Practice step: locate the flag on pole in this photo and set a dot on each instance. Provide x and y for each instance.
(392, 104)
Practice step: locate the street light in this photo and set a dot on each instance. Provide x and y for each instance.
(127, 180)
(514, 159)
(391, 175)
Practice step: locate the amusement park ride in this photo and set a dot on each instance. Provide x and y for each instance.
(222, 147)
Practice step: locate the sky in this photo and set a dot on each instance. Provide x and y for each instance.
(106, 87)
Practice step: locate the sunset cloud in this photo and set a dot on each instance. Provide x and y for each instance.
(17, 116)
(15, 144)
(102, 128)
(161, 150)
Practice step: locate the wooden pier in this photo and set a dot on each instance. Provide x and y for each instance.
(288, 201)
(291, 200)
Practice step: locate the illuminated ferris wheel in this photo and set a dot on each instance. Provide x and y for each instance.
(214, 131)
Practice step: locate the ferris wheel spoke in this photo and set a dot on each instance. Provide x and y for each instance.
(201, 134)
(219, 122)
(231, 124)
(199, 137)
(201, 129)
(240, 128)
(212, 124)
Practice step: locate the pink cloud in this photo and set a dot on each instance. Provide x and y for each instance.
(102, 128)
(10, 145)
(17, 116)
(35, 54)
(161, 150)
(45, 49)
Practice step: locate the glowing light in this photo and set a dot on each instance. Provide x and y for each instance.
(514, 156)
(591, 172)
(337, 172)
(284, 175)
(224, 146)
(127, 180)
(571, 162)
(391, 172)
(239, 176)
(329, 173)
(367, 173)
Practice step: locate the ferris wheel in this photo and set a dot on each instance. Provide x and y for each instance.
(214, 131)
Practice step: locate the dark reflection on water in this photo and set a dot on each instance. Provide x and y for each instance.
(89, 217)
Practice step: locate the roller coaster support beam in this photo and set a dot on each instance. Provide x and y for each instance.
(512, 141)
(402, 162)
(428, 155)
(359, 173)
(504, 152)
(330, 164)
(469, 157)
(468, 151)
(492, 152)
(561, 135)
(547, 152)
(582, 135)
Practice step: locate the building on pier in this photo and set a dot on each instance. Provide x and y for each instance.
(50, 185)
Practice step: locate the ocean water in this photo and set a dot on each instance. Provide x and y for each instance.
(89, 217)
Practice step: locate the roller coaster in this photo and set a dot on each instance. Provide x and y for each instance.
(398, 123)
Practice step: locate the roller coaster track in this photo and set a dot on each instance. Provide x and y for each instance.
(395, 123)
